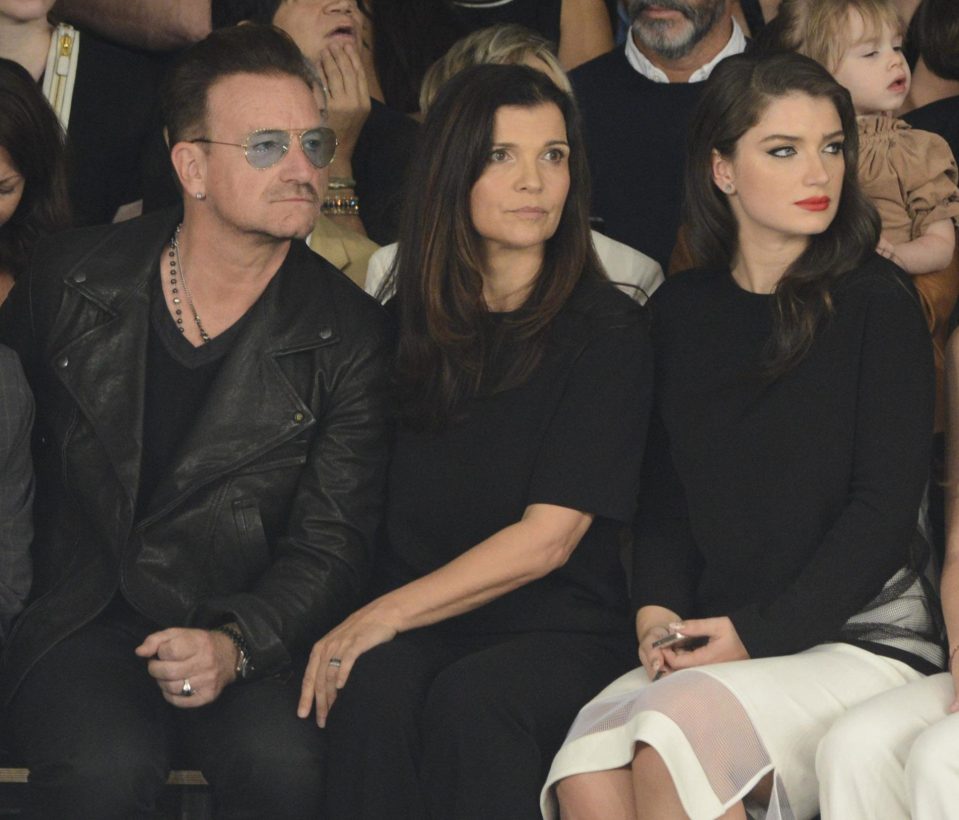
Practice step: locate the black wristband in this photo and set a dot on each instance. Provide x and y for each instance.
(244, 665)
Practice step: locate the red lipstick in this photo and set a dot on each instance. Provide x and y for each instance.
(814, 203)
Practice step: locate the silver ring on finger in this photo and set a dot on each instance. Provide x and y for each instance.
(186, 690)
(336, 663)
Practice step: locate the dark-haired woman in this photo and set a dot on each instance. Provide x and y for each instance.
(32, 203)
(33, 192)
(523, 388)
(778, 574)
(104, 97)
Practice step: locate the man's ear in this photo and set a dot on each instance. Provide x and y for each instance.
(190, 161)
(722, 172)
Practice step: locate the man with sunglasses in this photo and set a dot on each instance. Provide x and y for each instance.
(209, 458)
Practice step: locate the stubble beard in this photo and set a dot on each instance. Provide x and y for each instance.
(670, 40)
(304, 190)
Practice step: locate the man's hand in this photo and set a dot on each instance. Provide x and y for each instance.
(206, 659)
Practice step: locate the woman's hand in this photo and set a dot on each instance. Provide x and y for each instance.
(724, 644)
(348, 99)
(653, 660)
(652, 623)
(333, 657)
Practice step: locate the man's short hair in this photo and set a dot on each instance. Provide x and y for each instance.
(246, 49)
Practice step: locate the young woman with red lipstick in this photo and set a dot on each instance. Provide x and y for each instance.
(778, 573)
(523, 387)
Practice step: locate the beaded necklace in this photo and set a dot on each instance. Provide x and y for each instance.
(175, 264)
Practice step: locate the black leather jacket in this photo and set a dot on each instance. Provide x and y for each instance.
(267, 512)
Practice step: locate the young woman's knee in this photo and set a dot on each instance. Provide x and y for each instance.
(932, 764)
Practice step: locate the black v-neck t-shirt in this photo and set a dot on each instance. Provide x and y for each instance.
(178, 378)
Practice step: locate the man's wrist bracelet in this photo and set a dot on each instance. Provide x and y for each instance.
(952, 655)
(244, 666)
(341, 206)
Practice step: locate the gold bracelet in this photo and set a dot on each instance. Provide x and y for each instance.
(341, 183)
(952, 655)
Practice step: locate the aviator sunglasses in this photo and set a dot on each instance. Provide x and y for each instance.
(268, 146)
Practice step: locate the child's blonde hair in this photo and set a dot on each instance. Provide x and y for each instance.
(819, 28)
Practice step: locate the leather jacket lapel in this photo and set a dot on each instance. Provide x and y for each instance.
(251, 408)
(101, 356)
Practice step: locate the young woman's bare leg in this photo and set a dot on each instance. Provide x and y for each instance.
(606, 795)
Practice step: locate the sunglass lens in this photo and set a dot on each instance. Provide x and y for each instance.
(319, 145)
(266, 148)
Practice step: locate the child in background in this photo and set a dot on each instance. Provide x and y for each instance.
(910, 175)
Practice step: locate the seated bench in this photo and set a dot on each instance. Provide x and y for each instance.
(187, 796)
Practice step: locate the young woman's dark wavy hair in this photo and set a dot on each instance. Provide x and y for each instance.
(735, 97)
(34, 141)
(445, 337)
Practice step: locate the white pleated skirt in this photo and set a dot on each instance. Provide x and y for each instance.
(722, 728)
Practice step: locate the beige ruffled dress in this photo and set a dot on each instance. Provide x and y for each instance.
(910, 175)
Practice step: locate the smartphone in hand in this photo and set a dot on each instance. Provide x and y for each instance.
(681, 642)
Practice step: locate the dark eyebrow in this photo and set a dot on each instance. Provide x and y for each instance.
(791, 138)
(513, 144)
(12, 178)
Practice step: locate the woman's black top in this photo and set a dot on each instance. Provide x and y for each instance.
(788, 504)
(571, 435)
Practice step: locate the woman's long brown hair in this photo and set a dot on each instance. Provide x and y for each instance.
(446, 340)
